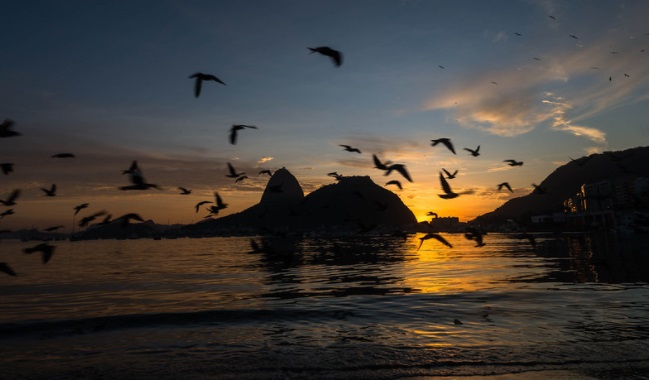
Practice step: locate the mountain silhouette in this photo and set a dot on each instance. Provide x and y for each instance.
(567, 180)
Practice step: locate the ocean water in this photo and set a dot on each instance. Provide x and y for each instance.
(330, 307)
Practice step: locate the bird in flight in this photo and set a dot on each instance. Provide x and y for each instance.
(63, 155)
(493, 82)
(196, 207)
(87, 219)
(450, 175)
(431, 213)
(232, 173)
(214, 210)
(449, 194)
(7, 212)
(378, 164)
(399, 168)
(136, 178)
(552, 17)
(474, 152)
(51, 192)
(11, 199)
(199, 78)
(434, 236)
(5, 129)
(266, 171)
(513, 162)
(241, 178)
(472, 233)
(349, 148)
(518, 34)
(7, 168)
(127, 218)
(394, 182)
(446, 142)
(235, 128)
(53, 228)
(79, 208)
(335, 55)
(537, 59)
(442, 67)
(184, 191)
(5, 268)
(506, 185)
(46, 250)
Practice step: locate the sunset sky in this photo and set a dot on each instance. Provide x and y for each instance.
(108, 81)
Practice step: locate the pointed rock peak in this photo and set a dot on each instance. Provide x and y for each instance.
(282, 187)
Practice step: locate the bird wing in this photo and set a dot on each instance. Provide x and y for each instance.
(197, 86)
(446, 172)
(233, 135)
(231, 169)
(445, 185)
(13, 196)
(378, 164)
(218, 199)
(214, 78)
(449, 145)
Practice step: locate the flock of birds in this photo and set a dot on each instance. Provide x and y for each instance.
(138, 182)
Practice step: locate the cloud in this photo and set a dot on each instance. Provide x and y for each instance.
(560, 123)
(264, 160)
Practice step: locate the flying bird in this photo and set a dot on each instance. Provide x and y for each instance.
(241, 178)
(79, 208)
(514, 163)
(475, 152)
(472, 233)
(63, 155)
(449, 194)
(493, 82)
(199, 78)
(350, 149)
(87, 219)
(401, 169)
(626, 75)
(235, 128)
(394, 182)
(518, 34)
(537, 59)
(214, 210)
(552, 17)
(5, 129)
(431, 213)
(442, 67)
(7, 168)
(573, 36)
(46, 250)
(5, 268)
(232, 172)
(51, 192)
(7, 212)
(450, 175)
(446, 143)
(380, 165)
(136, 178)
(196, 207)
(51, 229)
(127, 218)
(434, 236)
(11, 199)
(184, 191)
(506, 185)
(335, 55)
(266, 171)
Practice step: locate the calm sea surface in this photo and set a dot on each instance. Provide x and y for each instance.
(339, 307)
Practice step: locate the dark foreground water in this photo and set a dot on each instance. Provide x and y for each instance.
(335, 307)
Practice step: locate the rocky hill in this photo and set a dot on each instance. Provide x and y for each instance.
(566, 181)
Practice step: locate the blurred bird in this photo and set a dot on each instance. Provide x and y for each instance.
(79, 208)
(235, 128)
(184, 191)
(335, 175)
(241, 178)
(106, 220)
(265, 172)
(493, 82)
(232, 173)
(5, 129)
(446, 142)
(573, 36)
(431, 213)
(379, 164)
(394, 182)
(87, 219)
(473, 233)
(196, 207)
(214, 210)
(6, 213)
(446, 188)
(51, 229)
(63, 155)
(518, 34)
(401, 169)
(537, 59)
(127, 218)
(11, 199)
(442, 67)
(136, 178)
(514, 163)
(506, 185)
(46, 250)
(7, 168)
(350, 149)
(473, 152)
(51, 192)
(432, 235)
(335, 55)
(132, 168)
(450, 175)
(199, 78)
(5, 268)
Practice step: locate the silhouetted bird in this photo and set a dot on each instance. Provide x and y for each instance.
(232, 173)
(401, 169)
(196, 207)
(241, 178)
(11, 199)
(538, 189)
(199, 78)
(446, 142)
(132, 168)
(6, 213)
(265, 172)
(79, 208)
(514, 163)
(442, 67)
(431, 213)
(473, 233)
(610, 79)
(127, 218)
(7, 168)
(446, 188)
(350, 149)
(184, 191)
(5, 129)
(335, 55)
(51, 192)
(552, 17)
(517, 34)
(506, 185)
(5, 268)
(106, 220)
(493, 82)
(46, 250)
(235, 128)
(380, 165)
(537, 59)
(51, 229)
(394, 182)
(450, 175)
(136, 178)
(626, 75)
(473, 152)
(434, 236)
(573, 36)
(214, 210)
(63, 155)
(87, 219)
